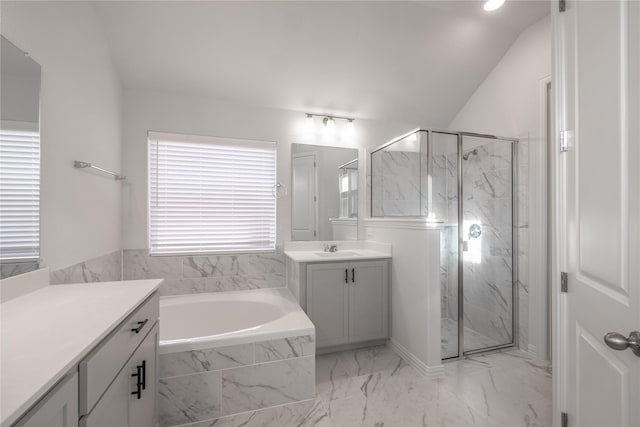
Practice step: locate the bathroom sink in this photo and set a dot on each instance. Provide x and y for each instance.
(336, 254)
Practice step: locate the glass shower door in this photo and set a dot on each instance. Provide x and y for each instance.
(487, 242)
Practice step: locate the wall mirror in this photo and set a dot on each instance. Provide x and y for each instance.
(19, 161)
(324, 193)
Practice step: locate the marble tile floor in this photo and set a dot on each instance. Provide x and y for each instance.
(473, 340)
(374, 387)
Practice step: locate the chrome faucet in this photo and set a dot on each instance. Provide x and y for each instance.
(332, 248)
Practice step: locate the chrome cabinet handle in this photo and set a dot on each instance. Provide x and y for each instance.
(140, 326)
(618, 342)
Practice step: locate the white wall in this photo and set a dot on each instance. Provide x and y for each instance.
(81, 118)
(415, 288)
(505, 103)
(144, 111)
(509, 103)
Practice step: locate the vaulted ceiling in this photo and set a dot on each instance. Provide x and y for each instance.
(409, 61)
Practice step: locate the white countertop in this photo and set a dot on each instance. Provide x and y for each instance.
(45, 333)
(348, 250)
(360, 255)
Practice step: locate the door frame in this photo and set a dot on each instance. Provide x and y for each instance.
(557, 174)
(315, 203)
(540, 181)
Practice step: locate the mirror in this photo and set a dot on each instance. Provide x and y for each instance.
(19, 161)
(324, 193)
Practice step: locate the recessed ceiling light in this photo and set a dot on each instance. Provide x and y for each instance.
(491, 5)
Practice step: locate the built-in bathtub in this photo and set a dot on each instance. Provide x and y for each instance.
(232, 352)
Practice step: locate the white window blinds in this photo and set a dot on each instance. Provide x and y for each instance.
(19, 191)
(210, 195)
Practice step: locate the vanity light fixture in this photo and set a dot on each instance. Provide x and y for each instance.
(329, 123)
(491, 5)
(310, 123)
(350, 129)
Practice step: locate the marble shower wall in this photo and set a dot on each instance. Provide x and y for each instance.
(206, 273)
(104, 268)
(201, 386)
(488, 263)
(395, 183)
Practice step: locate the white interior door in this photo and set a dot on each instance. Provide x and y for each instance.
(304, 198)
(598, 74)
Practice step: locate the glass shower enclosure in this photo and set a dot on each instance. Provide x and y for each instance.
(465, 183)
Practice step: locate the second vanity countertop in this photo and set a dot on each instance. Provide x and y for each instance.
(348, 250)
(45, 333)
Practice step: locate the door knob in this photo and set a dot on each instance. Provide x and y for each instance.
(618, 342)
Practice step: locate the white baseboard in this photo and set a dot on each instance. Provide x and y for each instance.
(425, 370)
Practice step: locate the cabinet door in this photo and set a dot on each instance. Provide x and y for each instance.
(328, 302)
(142, 412)
(59, 408)
(368, 301)
(119, 406)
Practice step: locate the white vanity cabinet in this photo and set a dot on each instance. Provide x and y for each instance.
(348, 302)
(59, 408)
(113, 383)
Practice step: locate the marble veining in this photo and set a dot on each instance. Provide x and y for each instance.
(106, 268)
(258, 386)
(285, 348)
(189, 398)
(505, 389)
(211, 359)
(214, 273)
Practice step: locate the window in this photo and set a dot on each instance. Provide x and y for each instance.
(210, 195)
(19, 191)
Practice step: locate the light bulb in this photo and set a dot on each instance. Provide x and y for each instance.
(310, 123)
(350, 129)
(330, 125)
(491, 5)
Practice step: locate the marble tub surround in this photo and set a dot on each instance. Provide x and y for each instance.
(201, 386)
(10, 269)
(303, 252)
(37, 323)
(105, 268)
(206, 273)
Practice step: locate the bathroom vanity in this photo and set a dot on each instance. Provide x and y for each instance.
(345, 293)
(81, 355)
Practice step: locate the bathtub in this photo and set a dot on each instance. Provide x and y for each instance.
(198, 321)
(227, 353)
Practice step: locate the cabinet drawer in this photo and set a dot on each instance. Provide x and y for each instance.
(101, 366)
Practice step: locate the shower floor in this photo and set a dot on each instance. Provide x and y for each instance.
(473, 340)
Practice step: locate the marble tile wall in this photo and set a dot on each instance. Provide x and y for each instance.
(10, 269)
(104, 268)
(395, 183)
(213, 273)
(201, 386)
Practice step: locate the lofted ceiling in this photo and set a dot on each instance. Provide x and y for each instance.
(409, 61)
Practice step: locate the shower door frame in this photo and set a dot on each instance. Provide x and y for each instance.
(514, 246)
(515, 288)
